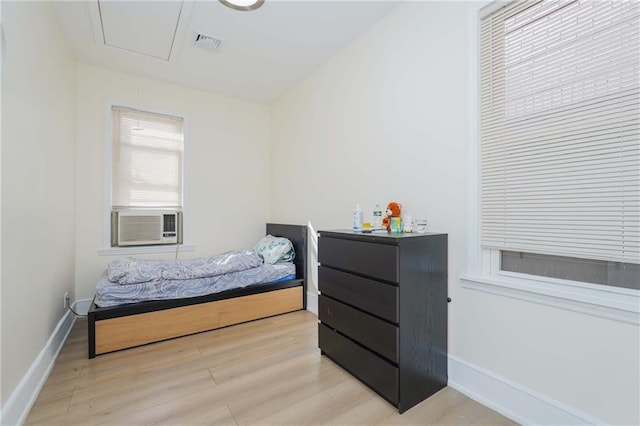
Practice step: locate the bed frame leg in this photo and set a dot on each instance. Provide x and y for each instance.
(91, 325)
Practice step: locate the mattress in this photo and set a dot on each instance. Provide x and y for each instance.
(113, 294)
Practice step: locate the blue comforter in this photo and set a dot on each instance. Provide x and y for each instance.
(111, 294)
(130, 270)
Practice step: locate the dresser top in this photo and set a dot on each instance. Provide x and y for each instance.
(387, 237)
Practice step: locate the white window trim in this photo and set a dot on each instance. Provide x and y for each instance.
(106, 249)
(483, 265)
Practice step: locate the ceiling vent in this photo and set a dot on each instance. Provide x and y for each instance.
(208, 43)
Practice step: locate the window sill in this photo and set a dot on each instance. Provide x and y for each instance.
(614, 303)
(119, 251)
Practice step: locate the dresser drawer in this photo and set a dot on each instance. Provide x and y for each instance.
(379, 374)
(371, 259)
(377, 335)
(372, 296)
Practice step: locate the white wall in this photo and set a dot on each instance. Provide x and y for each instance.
(226, 161)
(376, 124)
(38, 172)
(388, 119)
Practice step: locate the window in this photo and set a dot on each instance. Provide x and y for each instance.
(147, 160)
(144, 183)
(560, 139)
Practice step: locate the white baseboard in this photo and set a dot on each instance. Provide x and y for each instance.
(511, 399)
(16, 409)
(312, 302)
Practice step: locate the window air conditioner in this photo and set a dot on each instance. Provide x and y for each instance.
(144, 227)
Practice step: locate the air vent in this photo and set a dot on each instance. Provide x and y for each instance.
(209, 43)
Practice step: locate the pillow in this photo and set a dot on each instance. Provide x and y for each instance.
(275, 249)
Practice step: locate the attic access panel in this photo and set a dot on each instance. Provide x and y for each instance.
(143, 27)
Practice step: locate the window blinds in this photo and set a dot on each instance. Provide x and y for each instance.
(147, 159)
(560, 128)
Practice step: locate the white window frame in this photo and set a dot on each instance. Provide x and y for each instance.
(106, 249)
(483, 266)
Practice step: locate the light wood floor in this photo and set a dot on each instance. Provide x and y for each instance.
(264, 372)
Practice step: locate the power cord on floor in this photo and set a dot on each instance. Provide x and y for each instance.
(75, 313)
(71, 309)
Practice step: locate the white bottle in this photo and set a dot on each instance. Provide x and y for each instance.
(357, 219)
(377, 217)
(407, 223)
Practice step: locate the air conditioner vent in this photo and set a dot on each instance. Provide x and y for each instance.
(209, 43)
(145, 227)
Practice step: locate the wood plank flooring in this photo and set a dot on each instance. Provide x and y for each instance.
(266, 372)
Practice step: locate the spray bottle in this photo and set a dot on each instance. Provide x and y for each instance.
(357, 219)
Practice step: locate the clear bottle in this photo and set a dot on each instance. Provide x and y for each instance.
(377, 217)
(357, 219)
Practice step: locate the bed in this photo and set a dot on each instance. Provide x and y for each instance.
(112, 328)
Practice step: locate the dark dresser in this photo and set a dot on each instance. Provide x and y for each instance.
(383, 310)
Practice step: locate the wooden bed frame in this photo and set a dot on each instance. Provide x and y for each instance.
(126, 326)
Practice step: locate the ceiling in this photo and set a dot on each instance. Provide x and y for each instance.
(263, 53)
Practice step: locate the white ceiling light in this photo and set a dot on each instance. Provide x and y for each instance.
(245, 5)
